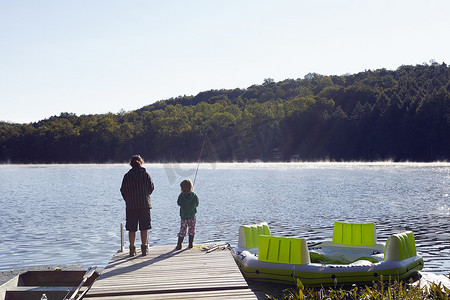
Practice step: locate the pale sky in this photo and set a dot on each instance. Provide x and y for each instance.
(99, 56)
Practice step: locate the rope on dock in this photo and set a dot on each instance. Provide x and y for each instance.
(213, 247)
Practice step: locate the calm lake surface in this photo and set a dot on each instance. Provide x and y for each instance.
(71, 214)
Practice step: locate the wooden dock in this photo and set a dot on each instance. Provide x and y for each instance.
(166, 273)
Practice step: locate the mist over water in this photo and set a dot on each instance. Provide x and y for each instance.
(71, 214)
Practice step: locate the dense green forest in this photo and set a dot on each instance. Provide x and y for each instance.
(400, 115)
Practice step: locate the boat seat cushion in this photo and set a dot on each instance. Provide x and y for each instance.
(248, 234)
(400, 246)
(285, 250)
(354, 234)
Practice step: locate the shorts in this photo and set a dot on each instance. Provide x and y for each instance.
(139, 216)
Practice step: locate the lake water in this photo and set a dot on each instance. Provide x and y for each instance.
(71, 214)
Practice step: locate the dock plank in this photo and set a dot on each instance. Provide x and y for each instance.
(232, 294)
(166, 273)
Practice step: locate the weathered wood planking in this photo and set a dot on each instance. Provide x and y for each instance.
(166, 273)
(223, 294)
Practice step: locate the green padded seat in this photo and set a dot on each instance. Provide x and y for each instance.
(285, 250)
(354, 234)
(400, 246)
(248, 234)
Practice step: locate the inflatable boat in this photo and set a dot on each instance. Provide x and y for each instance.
(353, 256)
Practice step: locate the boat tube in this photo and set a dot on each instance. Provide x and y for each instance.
(353, 256)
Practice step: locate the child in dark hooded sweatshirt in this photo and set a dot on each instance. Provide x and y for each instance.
(188, 202)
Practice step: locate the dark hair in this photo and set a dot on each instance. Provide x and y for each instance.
(136, 161)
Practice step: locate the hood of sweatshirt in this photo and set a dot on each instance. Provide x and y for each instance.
(137, 173)
(188, 198)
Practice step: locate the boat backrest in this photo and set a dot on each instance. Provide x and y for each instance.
(285, 250)
(354, 234)
(248, 234)
(400, 246)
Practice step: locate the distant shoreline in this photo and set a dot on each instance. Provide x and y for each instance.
(323, 162)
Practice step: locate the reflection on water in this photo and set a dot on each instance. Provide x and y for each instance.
(71, 214)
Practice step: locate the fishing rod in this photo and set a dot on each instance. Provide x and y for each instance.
(199, 158)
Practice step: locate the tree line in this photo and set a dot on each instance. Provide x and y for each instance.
(400, 115)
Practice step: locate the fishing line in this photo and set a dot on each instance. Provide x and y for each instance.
(199, 158)
(212, 147)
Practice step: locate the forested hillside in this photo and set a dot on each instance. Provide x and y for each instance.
(401, 115)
